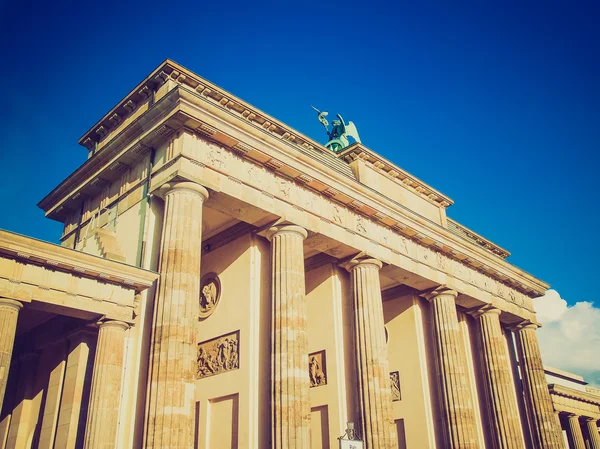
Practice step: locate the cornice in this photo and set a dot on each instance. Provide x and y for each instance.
(57, 257)
(466, 233)
(400, 176)
(571, 393)
(124, 149)
(213, 93)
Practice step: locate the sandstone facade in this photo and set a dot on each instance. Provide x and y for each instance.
(226, 282)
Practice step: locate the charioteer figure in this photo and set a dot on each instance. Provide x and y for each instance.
(340, 131)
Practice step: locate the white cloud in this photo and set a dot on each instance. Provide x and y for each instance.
(570, 335)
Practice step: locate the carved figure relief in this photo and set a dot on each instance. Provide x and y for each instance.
(218, 355)
(216, 157)
(337, 214)
(395, 386)
(284, 187)
(210, 293)
(316, 369)
(360, 225)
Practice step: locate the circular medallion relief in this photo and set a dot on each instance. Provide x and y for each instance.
(210, 292)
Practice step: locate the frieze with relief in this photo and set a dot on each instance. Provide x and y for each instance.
(210, 293)
(263, 179)
(218, 355)
(317, 369)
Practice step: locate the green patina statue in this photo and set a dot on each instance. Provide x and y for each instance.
(340, 131)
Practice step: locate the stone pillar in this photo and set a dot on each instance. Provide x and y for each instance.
(105, 394)
(20, 431)
(173, 347)
(9, 312)
(458, 414)
(75, 397)
(592, 430)
(502, 407)
(545, 431)
(289, 356)
(374, 396)
(574, 432)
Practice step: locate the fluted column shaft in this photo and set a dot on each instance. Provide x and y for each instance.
(592, 430)
(574, 433)
(545, 431)
(9, 313)
(501, 401)
(172, 372)
(105, 393)
(290, 401)
(374, 401)
(458, 413)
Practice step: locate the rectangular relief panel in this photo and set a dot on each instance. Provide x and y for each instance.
(218, 355)
(319, 428)
(317, 369)
(223, 422)
(395, 386)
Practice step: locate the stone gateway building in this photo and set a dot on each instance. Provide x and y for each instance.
(226, 282)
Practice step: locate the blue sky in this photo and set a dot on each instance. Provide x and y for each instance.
(495, 104)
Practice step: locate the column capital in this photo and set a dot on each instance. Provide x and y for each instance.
(106, 322)
(589, 419)
(487, 309)
(441, 290)
(572, 415)
(182, 186)
(285, 228)
(361, 261)
(525, 324)
(10, 303)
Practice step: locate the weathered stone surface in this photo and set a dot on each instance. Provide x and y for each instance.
(501, 401)
(105, 394)
(545, 431)
(592, 430)
(574, 433)
(375, 399)
(455, 393)
(173, 347)
(9, 312)
(74, 402)
(290, 401)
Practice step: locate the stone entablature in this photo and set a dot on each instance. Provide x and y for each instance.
(261, 188)
(67, 281)
(369, 219)
(315, 177)
(580, 403)
(403, 178)
(466, 233)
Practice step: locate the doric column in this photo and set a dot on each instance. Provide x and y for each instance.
(75, 396)
(574, 432)
(545, 431)
(289, 357)
(504, 419)
(105, 393)
(19, 431)
(374, 400)
(9, 312)
(172, 373)
(458, 414)
(592, 430)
